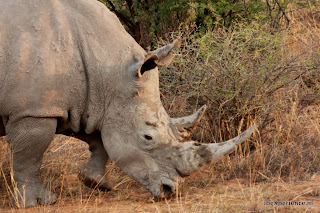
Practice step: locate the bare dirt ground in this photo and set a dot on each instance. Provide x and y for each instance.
(198, 193)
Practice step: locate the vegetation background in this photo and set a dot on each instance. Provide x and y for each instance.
(252, 62)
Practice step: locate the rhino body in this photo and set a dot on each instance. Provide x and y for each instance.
(70, 66)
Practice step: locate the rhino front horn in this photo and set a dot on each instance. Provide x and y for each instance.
(183, 127)
(193, 155)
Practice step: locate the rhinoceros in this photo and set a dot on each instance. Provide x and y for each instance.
(70, 66)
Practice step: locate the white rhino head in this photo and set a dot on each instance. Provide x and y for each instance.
(142, 139)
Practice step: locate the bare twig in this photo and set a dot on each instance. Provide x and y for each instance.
(269, 8)
(122, 17)
(275, 19)
(283, 11)
(245, 8)
(310, 9)
(285, 84)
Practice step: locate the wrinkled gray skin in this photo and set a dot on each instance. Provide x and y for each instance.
(70, 66)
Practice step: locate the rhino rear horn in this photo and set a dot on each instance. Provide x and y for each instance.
(184, 126)
(164, 54)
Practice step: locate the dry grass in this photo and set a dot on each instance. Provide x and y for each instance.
(280, 162)
(198, 193)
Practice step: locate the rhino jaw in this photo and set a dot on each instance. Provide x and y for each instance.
(192, 155)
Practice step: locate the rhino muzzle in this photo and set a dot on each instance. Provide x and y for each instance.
(189, 158)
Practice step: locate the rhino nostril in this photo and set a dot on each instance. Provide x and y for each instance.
(148, 137)
(167, 190)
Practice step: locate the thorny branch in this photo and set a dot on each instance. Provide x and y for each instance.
(283, 12)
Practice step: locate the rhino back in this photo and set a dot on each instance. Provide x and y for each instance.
(40, 67)
(52, 56)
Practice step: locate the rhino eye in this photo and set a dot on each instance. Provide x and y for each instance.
(148, 137)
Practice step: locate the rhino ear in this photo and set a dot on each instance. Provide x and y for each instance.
(164, 53)
(149, 63)
(161, 57)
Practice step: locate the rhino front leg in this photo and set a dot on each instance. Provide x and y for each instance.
(29, 138)
(92, 174)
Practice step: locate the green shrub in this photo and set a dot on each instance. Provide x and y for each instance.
(247, 75)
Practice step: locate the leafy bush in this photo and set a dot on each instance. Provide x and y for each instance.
(247, 75)
(149, 20)
(234, 71)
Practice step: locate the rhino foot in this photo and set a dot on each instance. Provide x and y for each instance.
(94, 179)
(28, 197)
(46, 197)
